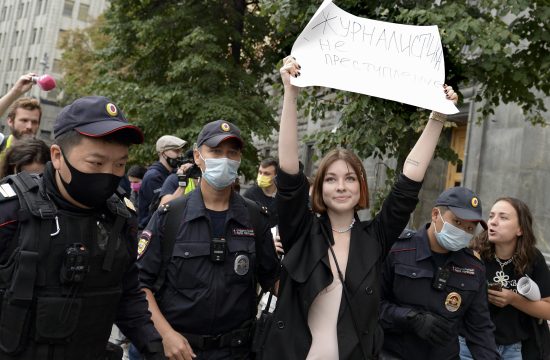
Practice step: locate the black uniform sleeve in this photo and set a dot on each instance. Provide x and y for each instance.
(150, 261)
(392, 316)
(295, 217)
(148, 186)
(170, 185)
(478, 328)
(395, 213)
(133, 317)
(8, 227)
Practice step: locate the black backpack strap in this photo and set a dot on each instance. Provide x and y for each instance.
(36, 216)
(174, 209)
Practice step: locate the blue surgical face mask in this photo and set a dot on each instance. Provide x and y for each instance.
(220, 172)
(452, 238)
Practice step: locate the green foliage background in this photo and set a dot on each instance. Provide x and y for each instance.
(174, 65)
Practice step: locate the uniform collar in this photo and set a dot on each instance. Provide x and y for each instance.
(237, 210)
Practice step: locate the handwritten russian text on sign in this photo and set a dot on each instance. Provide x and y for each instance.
(396, 62)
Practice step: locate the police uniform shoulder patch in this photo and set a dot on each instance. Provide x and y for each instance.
(129, 204)
(143, 243)
(473, 253)
(7, 192)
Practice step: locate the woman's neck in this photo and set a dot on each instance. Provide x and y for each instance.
(505, 251)
(340, 220)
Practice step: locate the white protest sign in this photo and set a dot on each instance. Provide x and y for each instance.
(396, 62)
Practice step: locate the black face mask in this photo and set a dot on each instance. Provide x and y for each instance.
(174, 163)
(91, 190)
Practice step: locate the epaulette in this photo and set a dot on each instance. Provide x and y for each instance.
(264, 210)
(406, 234)
(129, 204)
(7, 192)
(474, 254)
(164, 208)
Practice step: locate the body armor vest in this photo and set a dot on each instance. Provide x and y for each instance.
(62, 285)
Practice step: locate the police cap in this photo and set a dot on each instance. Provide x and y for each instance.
(213, 133)
(95, 116)
(463, 202)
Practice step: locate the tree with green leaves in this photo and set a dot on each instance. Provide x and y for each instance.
(500, 47)
(175, 65)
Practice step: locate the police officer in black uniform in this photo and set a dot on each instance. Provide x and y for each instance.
(220, 248)
(67, 249)
(432, 286)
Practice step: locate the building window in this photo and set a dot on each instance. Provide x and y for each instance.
(40, 33)
(454, 171)
(21, 35)
(3, 15)
(45, 6)
(34, 62)
(33, 36)
(83, 12)
(56, 67)
(16, 66)
(38, 8)
(20, 8)
(28, 63)
(68, 8)
(14, 38)
(60, 38)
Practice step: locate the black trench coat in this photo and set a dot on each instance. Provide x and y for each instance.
(306, 269)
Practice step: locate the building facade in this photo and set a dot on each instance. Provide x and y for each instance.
(30, 33)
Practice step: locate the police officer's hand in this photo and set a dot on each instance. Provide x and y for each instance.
(433, 328)
(176, 347)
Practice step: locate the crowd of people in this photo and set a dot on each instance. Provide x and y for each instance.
(174, 256)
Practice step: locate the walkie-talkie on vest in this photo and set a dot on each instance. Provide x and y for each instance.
(75, 264)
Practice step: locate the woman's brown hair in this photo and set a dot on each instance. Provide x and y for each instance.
(524, 254)
(317, 203)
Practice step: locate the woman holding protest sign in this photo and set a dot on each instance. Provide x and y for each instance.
(328, 296)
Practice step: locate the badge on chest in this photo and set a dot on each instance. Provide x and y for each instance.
(453, 301)
(241, 265)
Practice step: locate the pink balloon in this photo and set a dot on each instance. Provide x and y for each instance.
(45, 82)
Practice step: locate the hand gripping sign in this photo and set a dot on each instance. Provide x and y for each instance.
(396, 62)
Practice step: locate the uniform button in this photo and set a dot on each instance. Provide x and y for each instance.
(281, 324)
(462, 284)
(186, 253)
(369, 290)
(413, 274)
(239, 342)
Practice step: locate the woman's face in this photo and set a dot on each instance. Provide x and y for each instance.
(341, 187)
(503, 225)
